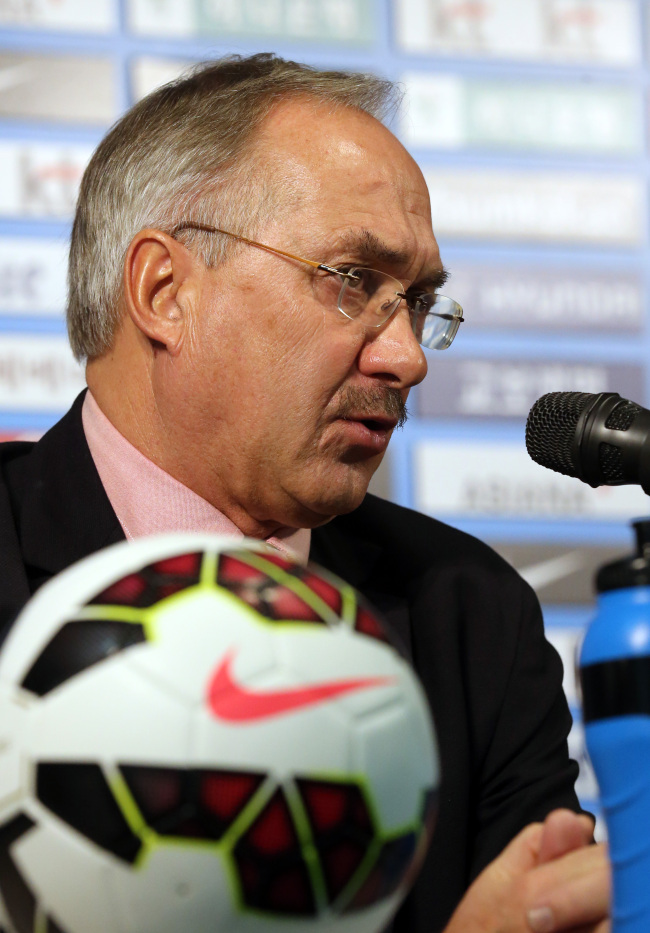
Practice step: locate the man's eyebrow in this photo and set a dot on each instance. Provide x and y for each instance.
(432, 281)
(368, 248)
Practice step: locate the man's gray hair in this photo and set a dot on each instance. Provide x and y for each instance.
(185, 153)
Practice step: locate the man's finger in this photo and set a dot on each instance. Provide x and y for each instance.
(570, 893)
(563, 832)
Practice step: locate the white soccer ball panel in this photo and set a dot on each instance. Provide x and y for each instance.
(167, 892)
(14, 721)
(392, 747)
(53, 858)
(316, 740)
(109, 712)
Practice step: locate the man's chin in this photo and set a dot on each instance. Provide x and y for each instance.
(318, 498)
(323, 509)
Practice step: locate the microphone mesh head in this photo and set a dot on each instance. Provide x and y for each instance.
(551, 428)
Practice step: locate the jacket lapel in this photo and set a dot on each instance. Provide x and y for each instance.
(65, 513)
(343, 549)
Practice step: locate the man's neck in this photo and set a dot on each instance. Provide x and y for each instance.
(148, 500)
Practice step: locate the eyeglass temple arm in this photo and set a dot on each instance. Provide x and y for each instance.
(443, 314)
(270, 249)
(449, 317)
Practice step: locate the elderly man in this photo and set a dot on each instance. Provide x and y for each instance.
(253, 275)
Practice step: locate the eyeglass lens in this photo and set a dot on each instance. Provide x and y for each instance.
(372, 297)
(436, 320)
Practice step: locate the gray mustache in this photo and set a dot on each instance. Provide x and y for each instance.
(380, 401)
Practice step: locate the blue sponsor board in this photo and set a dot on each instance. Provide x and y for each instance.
(499, 388)
(570, 298)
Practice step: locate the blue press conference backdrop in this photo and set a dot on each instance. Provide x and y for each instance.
(530, 121)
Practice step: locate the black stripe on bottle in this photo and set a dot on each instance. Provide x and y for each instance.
(619, 687)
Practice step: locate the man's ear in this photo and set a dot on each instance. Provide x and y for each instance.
(157, 270)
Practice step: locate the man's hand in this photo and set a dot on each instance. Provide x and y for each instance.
(548, 879)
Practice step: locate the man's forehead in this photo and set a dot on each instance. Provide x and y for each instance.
(345, 167)
(314, 140)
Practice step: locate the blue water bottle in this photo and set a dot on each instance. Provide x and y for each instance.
(615, 677)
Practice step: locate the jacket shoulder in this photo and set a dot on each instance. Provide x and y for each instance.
(15, 457)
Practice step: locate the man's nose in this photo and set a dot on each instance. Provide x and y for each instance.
(393, 352)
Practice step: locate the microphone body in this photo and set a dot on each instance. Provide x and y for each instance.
(603, 439)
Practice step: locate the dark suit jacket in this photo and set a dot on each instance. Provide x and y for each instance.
(470, 624)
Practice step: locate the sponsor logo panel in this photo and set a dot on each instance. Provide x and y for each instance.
(563, 31)
(352, 22)
(33, 273)
(545, 297)
(546, 207)
(450, 112)
(66, 88)
(566, 642)
(348, 21)
(41, 179)
(68, 15)
(147, 74)
(174, 18)
(38, 374)
(499, 480)
(560, 574)
(506, 388)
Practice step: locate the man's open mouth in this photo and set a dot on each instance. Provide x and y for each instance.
(374, 424)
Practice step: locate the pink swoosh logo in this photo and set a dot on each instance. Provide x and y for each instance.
(233, 702)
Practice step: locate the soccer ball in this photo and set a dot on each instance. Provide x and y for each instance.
(197, 735)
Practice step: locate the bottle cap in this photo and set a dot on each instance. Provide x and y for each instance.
(633, 570)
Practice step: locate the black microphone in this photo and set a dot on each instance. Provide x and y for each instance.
(602, 439)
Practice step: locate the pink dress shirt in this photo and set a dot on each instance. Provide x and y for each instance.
(148, 501)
